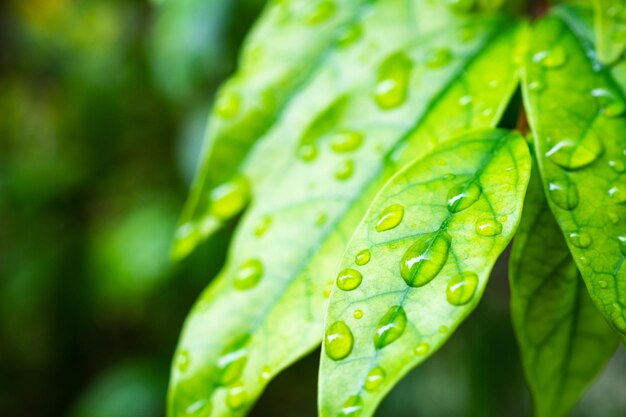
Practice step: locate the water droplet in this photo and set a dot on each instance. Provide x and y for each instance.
(249, 274)
(421, 263)
(358, 314)
(574, 154)
(617, 166)
(227, 105)
(353, 407)
(552, 58)
(390, 217)
(564, 194)
(266, 373)
(363, 257)
(465, 100)
(323, 11)
(236, 396)
(233, 361)
(422, 349)
(443, 329)
(617, 194)
(462, 288)
(374, 379)
(353, 34)
(321, 220)
(488, 227)
(338, 341)
(346, 141)
(349, 279)
(183, 360)
(230, 198)
(584, 260)
(390, 327)
(344, 170)
(537, 86)
(581, 240)
(611, 105)
(463, 196)
(622, 244)
(613, 217)
(603, 284)
(307, 153)
(263, 226)
(438, 58)
(200, 408)
(394, 75)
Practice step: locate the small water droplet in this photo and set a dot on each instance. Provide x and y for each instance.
(200, 408)
(552, 58)
(488, 227)
(230, 198)
(374, 379)
(465, 100)
(346, 141)
(322, 11)
(622, 244)
(422, 349)
(390, 327)
(390, 218)
(564, 194)
(350, 36)
(611, 105)
(581, 240)
(183, 360)
(249, 274)
(349, 279)
(236, 396)
(617, 194)
(613, 217)
(266, 373)
(461, 288)
(353, 407)
(227, 105)
(421, 263)
(443, 329)
(338, 341)
(463, 196)
(438, 58)
(537, 86)
(263, 226)
(363, 257)
(232, 361)
(584, 260)
(307, 153)
(617, 165)
(603, 284)
(358, 314)
(574, 154)
(344, 170)
(394, 75)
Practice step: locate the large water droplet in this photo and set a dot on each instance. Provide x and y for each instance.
(463, 196)
(344, 170)
(323, 11)
(611, 105)
(346, 141)
(232, 361)
(564, 194)
(249, 274)
(488, 227)
(574, 154)
(392, 86)
(374, 379)
(236, 396)
(461, 288)
(438, 58)
(390, 217)
(363, 257)
(353, 407)
(421, 263)
(551, 58)
(581, 240)
(229, 198)
(338, 341)
(349, 279)
(390, 327)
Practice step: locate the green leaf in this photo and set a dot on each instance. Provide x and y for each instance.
(432, 236)
(565, 342)
(290, 39)
(610, 29)
(266, 309)
(576, 110)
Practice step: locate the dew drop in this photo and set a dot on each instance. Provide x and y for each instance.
(338, 341)
(353, 407)
(183, 360)
(249, 274)
(227, 105)
(232, 361)
(390, 218)
(603, 284)
(263, 226)
(363, 257)
(236, 396)
(462, 288)
(622, 244)
(574, 154)
(349, 279)
(229, 198)
(463, 196)
(443, 329)
(581, 240)
(390, 327)
(307, 153)
(374, 379)
(610, 104)
(537, 86)
(617, 166)
(617, 194)
(350, 36)
(323, 11)
(465, 101)
(613, 217)
(266, 373)
(392, 86)
(563, 194)
(358, 314)
(422, 349)
(438, 58)
(421, 263)
(551, 58)
(344, 170)
(200, 408)
(346, 141)
(488, 227)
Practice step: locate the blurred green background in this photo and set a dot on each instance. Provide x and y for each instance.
(103, 106)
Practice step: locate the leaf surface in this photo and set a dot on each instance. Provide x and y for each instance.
(432, 236)
(564, 341)
(341, 138)
(576, 110)
(610, 29)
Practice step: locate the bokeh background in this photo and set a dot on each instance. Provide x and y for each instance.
(103, 106)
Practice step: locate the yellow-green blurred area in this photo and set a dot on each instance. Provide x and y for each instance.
(103, 106)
